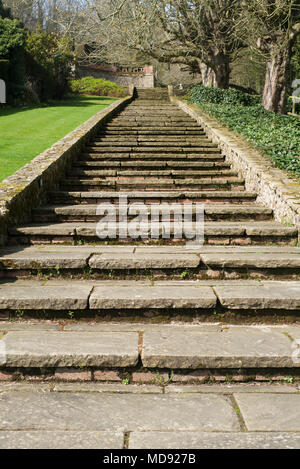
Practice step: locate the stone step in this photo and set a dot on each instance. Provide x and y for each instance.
(153, 165)
(88, 212)
(152, 146)
(125, 183)
(101, 297)
(171, 347)
(154, 128)
(206, 155)
(116, 173)
(147, 197)
(159, 140)
(214, 232)
(157, 132)
(163, 261)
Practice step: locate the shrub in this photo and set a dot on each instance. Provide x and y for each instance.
(97, 87)
(202, 94)
(277, 135)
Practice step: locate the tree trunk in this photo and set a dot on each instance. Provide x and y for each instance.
(208, 75)
(275, 90)
(221, 68)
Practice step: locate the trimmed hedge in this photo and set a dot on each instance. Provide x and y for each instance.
(277, 135)
(97, 87)
(203, 94)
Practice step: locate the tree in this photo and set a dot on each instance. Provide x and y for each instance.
(196, 33)
(271, 27)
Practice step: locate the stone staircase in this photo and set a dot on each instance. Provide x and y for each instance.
(247, 271)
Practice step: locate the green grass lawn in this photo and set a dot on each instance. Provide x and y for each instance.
(26, 132)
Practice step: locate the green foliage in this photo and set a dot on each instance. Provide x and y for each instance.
(12, 36)
(97, 87)
(203, 94)
(48, 58)
(277, 135)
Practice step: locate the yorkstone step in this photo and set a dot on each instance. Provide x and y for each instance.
(158, 164)
(211, 212)
(150, 183)
(98, 296)
(164, 262)
(222, 232)
(224, 197)
(285, 296)
(260, 260)
(147, 172)
(155, 146)
(157, 132)
(205, 155)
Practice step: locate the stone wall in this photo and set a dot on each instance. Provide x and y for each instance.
(141, 78)
(276, 189)
(28, 187)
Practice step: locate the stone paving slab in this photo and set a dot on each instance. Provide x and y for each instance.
(232, 388)
(66, 297)
(286, 295)
(108, 388)
(23, 326)
(271, 260)
(242, 348)
(61, 440)
(168, 328)
(122, 412)
(39, 259)
(156, 297)
(42, 349)
(120, 260)
(202, 440)
(272, 412)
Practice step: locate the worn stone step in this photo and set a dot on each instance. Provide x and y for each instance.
(149, 183)
(285, 296)
(153, 165)
(159, 132)
(164, 261)
(238, 197)
(211, 212)
(153, 128)
(148, 140)
(153, 146)
(245, 347)
(222, 232)
(258, 260)
(146, 172)
(205, 155)
(98, 296)
(71, 258)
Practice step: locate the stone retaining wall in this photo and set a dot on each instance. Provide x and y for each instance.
(27, 188)
(276, 189)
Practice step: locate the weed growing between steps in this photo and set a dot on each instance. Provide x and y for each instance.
(277, 135)
(160, 316)
(156, 377)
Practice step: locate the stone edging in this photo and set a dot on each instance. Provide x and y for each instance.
(27, 188)
(275, 187)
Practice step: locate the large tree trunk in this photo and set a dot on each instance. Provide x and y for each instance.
(275, 90)
(221, 67)
(208, 75)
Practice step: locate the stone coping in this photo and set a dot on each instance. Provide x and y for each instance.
(275, 187)
(27, 188)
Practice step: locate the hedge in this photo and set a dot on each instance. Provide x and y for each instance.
(97, 87)
(277, 135)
